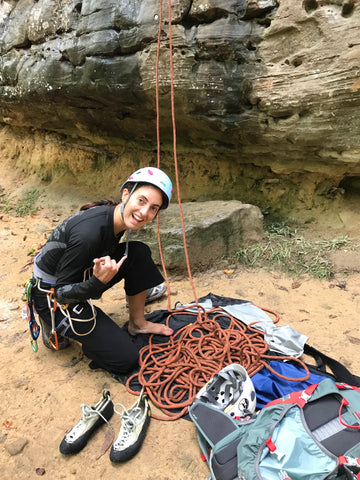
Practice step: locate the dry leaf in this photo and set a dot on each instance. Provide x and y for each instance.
(8, 425)
(353, 340)
(109, 440)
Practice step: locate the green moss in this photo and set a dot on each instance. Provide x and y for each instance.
(24, 206)
(285, 250)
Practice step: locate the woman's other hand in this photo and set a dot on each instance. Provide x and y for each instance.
(105, 268)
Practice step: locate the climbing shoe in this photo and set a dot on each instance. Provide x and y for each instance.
(63, 342)
(134, 424)
(92, 418)
(153, 293)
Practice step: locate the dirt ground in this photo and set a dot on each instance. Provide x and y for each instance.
(41, 393)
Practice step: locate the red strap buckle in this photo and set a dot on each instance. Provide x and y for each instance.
(273, 449)
(350, 461)
(271, 445)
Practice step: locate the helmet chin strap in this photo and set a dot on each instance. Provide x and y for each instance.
(123, 205)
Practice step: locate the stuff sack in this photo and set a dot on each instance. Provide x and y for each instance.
(313, 434)
(280, 379)
(269, 385)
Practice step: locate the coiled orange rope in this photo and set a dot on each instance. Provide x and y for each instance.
(172, 373)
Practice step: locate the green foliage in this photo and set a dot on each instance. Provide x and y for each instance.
(284, 249)
(25, 206)
(5, 205)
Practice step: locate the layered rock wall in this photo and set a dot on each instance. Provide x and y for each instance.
(266, 94)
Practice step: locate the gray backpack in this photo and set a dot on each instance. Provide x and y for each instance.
(313, 434)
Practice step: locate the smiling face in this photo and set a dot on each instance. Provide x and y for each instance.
(142, 206)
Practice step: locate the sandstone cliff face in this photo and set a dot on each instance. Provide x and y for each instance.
(266, 93)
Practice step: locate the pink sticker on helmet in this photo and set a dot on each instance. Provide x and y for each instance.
(130, 178)
(150, 172)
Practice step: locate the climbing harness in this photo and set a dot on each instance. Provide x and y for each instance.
(45, 283)
(39, 279)
(30, 314)
(54, 305)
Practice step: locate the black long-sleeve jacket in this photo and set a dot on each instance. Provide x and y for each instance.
(71, 249)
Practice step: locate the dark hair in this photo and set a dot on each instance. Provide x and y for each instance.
(95, 204)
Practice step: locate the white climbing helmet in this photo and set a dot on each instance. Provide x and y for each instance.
(230, 390)
(155, 177)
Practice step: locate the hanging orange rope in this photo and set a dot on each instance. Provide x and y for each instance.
(172, 373)
(172, 96)
(158, 147)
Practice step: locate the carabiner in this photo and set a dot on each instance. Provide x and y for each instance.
(34, 345)
(55, 345)
(33, 326)
(34, 330)
(51, 297)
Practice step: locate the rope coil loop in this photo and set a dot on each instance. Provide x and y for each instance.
(172, 373)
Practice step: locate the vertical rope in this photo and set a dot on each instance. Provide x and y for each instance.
(158, 148)
(174, 150)
(157, 86)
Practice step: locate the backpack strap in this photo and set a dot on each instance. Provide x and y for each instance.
(344, 402)
(349, 461)
(273, 449)
(211, 423)
(351, 467)
(340, 372)
(301, 397)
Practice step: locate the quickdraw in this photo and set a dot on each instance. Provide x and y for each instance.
(52, 304)
(34, 327)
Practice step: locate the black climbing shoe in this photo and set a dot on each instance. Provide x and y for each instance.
(92, 418)
(134, 424)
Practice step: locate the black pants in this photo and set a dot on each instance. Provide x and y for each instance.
(108, 345)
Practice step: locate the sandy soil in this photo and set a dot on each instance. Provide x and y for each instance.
(41, 393)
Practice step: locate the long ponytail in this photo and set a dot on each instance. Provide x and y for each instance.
(101, 202)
